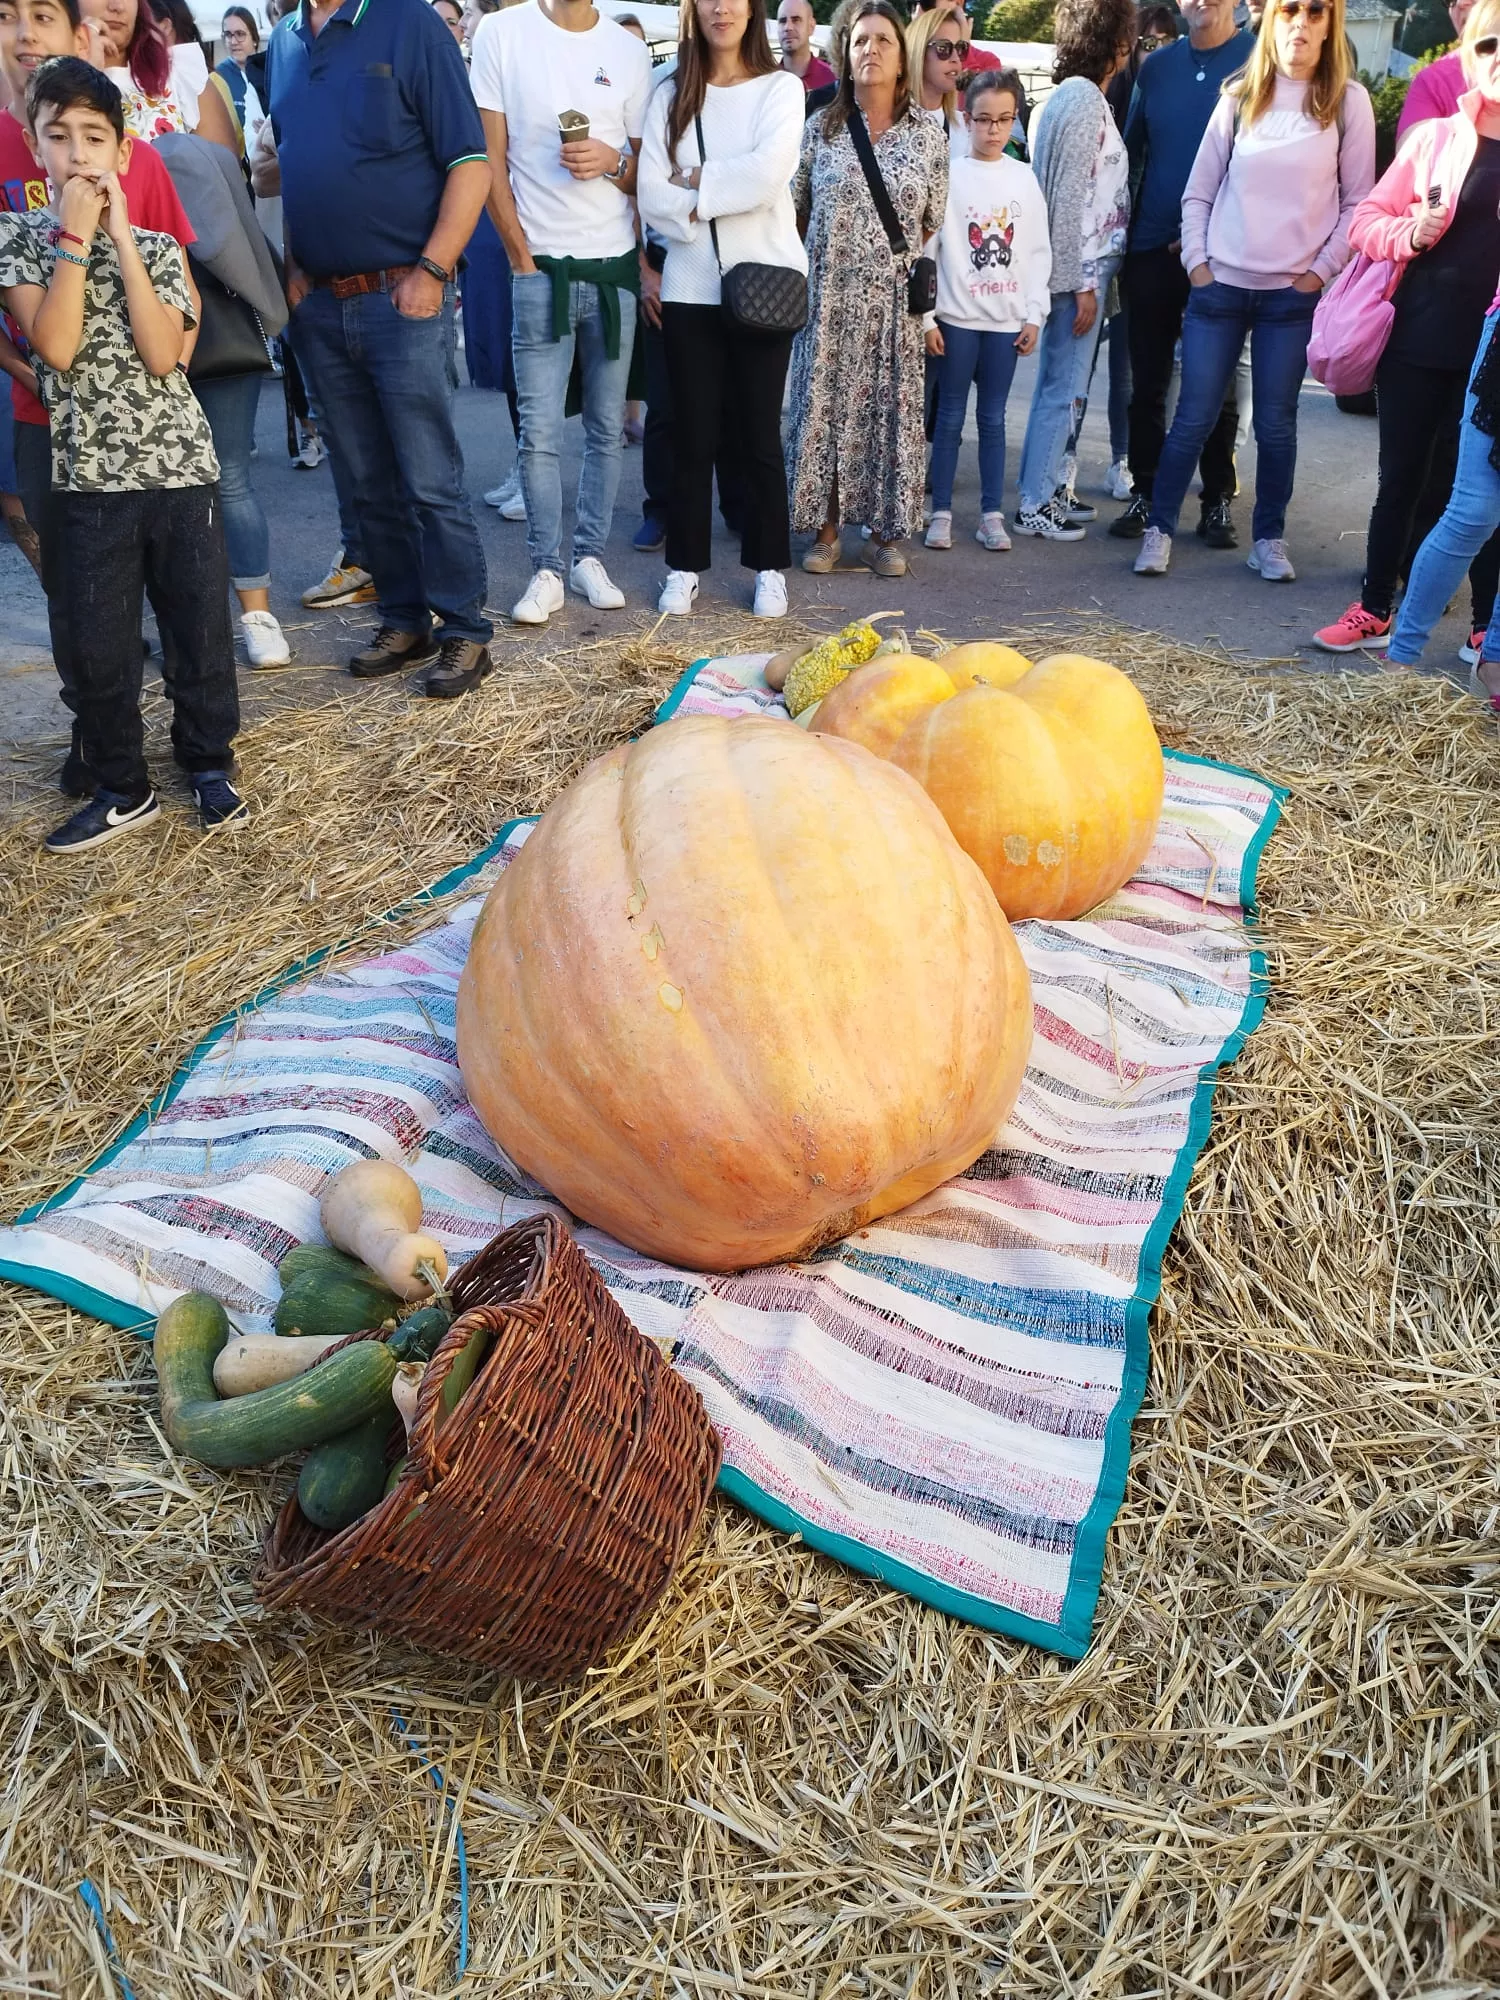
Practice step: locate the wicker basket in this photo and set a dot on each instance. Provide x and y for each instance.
(538, 1528)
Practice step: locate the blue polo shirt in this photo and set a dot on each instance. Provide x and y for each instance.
(370, 115)
(1175, 94)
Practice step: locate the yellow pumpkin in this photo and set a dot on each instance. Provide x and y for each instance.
(740, 993)
(1050, 776)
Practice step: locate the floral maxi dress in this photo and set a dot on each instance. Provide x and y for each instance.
(857, 366)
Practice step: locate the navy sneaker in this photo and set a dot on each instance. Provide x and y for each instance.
(218, 801)
(106, 816)
(650, 535)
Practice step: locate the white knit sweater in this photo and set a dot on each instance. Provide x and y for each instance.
(753, 134)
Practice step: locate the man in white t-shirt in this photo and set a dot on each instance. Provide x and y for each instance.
(564, 214)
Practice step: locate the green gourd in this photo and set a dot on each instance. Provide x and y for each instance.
(344, 1478)
(325, 1292)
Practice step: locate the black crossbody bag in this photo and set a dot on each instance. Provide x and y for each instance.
(921, 276)
(757, 298)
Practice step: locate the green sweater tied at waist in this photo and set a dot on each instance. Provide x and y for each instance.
(611, 275)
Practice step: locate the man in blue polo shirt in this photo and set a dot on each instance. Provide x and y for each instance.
(1175, 94)
(383, 175)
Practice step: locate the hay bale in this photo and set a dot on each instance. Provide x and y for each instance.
(1273, 1774)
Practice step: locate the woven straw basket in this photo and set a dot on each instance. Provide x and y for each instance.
(540, 1525)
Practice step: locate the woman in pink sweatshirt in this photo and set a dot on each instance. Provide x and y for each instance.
(1436, 215)
(1288, 156)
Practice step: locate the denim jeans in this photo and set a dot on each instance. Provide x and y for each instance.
(543, 366)
(1470, 518)
(383, 384)
(230, 405)
(1061, 395)
(969, 356)
(1214, 325)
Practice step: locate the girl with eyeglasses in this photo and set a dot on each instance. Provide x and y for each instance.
(1288, 156)
(1434, 214)
(994, 265)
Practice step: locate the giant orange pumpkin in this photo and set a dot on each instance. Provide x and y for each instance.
(740, 992)
(1050, 776)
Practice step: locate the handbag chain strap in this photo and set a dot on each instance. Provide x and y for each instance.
(879, 194)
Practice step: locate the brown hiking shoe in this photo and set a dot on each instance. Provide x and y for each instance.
(392, 651)
(461, 665)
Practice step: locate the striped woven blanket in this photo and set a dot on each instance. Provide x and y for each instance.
(943, 1401)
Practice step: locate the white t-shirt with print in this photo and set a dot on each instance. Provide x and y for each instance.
(529, 69)
(1106, 215)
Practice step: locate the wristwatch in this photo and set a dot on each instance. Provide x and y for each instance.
(622, 165)
(434, 270)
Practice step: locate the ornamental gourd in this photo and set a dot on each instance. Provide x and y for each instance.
(1050, 776)
(739, 993)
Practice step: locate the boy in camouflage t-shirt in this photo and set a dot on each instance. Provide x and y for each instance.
(104, 308)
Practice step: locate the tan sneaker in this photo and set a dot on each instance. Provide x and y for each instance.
(823, 557)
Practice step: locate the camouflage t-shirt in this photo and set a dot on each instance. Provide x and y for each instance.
(116, 427)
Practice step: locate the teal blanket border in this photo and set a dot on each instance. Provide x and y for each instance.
(1071, 1635)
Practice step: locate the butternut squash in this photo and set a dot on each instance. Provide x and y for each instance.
(373, 1210)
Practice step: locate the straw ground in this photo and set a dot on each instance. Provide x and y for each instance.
(1274, 1775)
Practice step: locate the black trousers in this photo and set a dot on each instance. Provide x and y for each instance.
(656, 446)
(115, 547)
(1156, 290)
(707, 358)
(1419, 412)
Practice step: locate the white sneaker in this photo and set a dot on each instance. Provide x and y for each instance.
(312, 454)
(265, 642)
(770, 594)
(1117, 481)
(590, 579)
(1270, 558)
(514, 509)
(678, 592)
(940, 531)
(543, 595)
(508, 489)
(990, 534)
(1156, 553)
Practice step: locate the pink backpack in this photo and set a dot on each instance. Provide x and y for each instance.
(1352, 325)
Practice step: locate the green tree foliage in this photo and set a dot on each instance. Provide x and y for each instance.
(1018, 21)
(1387, 95)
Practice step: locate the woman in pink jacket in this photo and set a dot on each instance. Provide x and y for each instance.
(1436, 214)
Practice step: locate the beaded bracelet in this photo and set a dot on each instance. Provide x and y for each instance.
(67, 257)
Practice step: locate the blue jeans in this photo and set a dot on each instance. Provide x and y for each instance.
(1470, 518)
(230, 405)
(384, 385)
(989, 359)
(1214, 326)
(1065, 366)
(543, 366)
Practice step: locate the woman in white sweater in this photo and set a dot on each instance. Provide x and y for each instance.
(994, 263)
(717, 157)
(1288, 156)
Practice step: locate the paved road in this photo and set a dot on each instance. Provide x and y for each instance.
(1210, 597)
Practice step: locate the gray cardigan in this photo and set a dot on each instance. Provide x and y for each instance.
(230, 242)
(1064, 149)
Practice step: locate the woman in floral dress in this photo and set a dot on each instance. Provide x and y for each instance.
(857, 447)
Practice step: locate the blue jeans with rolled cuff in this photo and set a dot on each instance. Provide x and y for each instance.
(384, 386)
(1215, 324)
(1470, 518)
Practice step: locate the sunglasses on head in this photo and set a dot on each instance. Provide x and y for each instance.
(1487, 45)
(943, 49)
(1313, 9)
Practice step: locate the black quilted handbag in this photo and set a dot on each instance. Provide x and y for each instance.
(758, 298)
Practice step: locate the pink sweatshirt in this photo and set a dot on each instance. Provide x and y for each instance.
(1271, 200)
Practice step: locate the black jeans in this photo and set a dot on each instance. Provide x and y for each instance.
(1156, 290)
(33, 448)
(707, 358)
(115, 547)
(656, 447)
(1419, 412)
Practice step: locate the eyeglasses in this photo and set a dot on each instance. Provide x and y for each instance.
(943, 49)
(998, 123)
(1313, 9)
(1487, 45)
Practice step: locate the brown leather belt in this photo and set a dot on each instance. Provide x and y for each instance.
(365, 281)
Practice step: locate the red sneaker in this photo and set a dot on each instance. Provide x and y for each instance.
(1357, 631)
